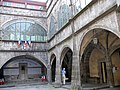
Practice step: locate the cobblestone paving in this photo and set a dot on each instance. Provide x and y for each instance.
(35, 87)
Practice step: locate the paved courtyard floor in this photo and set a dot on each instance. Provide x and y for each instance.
(34, 87)
(46, 86)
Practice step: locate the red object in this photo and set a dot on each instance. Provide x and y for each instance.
(25, 44)
(19, 43)
(43, 78)
(1, 83)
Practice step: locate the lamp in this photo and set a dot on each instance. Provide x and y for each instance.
(95, 39)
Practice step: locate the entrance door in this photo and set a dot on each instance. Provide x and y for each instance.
(103, 72)
(23, 71)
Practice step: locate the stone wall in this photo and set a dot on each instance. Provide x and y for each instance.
(8, 14)
(92, 17)
(9, 49)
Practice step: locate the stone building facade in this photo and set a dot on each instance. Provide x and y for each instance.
(83, 37)
(28, 28)
(86, 44)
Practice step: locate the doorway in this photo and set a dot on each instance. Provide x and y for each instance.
(103, 72)
(23, 71)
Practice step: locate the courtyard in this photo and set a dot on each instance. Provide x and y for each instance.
(33, 87)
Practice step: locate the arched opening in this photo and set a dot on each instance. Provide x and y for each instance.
(53, 67)
(67, 62)
(116, 66)
(96, 65)
(90, 65)
(1, 73)
(23, 68)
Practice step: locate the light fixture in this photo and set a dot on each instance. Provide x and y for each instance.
(95, 39)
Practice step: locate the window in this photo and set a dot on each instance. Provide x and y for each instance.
(22, 5)
(52, 27)
(24, 30)
(63, 15)
(12, 4)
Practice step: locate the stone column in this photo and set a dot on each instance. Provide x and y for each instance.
(49, 69)
(110, 78)
(58, 69)
(76, 79)
(49, 73)
(85, 70)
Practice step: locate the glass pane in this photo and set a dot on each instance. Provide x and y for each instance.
(63, 15)
(12, 37)
(30, 6)
(24, 31)
(18, 30)
(20, 5)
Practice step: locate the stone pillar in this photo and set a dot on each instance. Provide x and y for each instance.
(76, 79)
(49, 74)
(85, 71)
(110, 78)
(58, 69)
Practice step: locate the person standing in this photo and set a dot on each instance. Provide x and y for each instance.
(63, 75)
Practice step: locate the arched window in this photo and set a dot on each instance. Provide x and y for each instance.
(52, 27)
(63, 15)
(24, 30)
(80, 4)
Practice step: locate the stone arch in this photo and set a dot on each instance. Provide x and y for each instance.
(94, 28)
(66, 62)
(27, 56)
(113, 49)
(24, 29)
(52, 57)
(115, 59)
(53, 66)
(8, 22)
(15, 54)
(32, 67)
(103, 35)
(63, 51)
